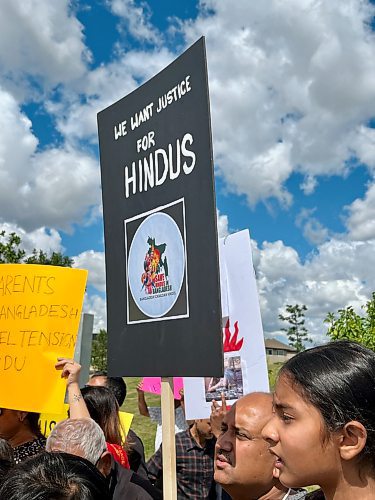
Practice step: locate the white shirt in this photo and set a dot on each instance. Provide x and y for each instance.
(180, 422)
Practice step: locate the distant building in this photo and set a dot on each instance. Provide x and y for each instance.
(277, 352)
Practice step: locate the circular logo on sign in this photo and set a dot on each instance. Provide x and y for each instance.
(156, 265)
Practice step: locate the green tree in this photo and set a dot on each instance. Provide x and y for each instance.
(99, 351)
(349, 325)
(11, 252)
(297, 332)
(273, 371)
(55, 259)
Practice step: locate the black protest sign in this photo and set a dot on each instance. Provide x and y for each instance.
(163, 303)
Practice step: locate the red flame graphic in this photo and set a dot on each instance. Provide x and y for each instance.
(230, 342)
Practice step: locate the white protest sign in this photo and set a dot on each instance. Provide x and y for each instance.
(223, 280)
(245, 366)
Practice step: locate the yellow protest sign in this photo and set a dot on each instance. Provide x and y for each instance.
(126, 421)
(48, 421)
(40, 309)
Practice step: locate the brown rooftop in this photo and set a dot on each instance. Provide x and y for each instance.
(275, 344)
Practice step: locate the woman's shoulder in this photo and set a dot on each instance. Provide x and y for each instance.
(29, 449)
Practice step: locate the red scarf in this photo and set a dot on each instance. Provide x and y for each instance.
(119, 454)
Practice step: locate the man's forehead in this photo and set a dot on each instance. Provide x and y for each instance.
(260, 402)
(250, 411)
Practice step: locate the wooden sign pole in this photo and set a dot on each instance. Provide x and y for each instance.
(169, 440)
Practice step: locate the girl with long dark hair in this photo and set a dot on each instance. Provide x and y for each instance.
(323, 430)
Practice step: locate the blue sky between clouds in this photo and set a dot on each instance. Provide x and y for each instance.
(292, 106)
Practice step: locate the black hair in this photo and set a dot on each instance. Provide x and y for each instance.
(57, 476)
(118, 387)
(6, 458)
(103, 408)
(33, 421)
(116, 384)
(339, 380)
(6, 451)
(5, 467)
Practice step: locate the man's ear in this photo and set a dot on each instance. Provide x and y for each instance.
(22, 415)
(352, 440)
(104, 463)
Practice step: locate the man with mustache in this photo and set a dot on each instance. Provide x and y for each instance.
(243, 464)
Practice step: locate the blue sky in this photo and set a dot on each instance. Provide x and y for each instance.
(292, 88)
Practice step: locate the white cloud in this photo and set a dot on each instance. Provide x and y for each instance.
(96, 305)
(17, 142)
(76, 120)
(361, 218)
(298, 71)
(43, 39)
(222, 225)
(95, 264)
(292, 86)
(314, 232)
(252, 175)
(137, 19)
(279, 263)
(309, 184)
(340, 273)
(363, 142)
(53, 188)
(48, 240)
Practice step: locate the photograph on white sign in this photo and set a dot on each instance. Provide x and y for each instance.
(231, 384)
(223, 280)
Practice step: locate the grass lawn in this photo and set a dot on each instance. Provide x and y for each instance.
(143, 426)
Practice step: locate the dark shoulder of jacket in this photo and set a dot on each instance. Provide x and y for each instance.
(136, 454)
(124, 488)
(119, 480)
(135, 492)
(154, 492)
(135, 443)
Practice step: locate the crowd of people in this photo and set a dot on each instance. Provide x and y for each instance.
(316, 429)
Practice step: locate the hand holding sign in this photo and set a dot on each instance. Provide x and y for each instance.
(70, 370)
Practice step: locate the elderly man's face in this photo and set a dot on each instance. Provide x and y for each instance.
(243, 464)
